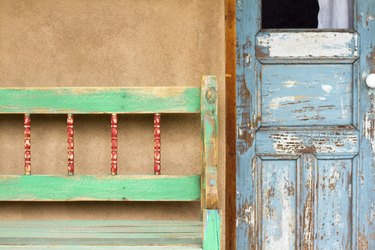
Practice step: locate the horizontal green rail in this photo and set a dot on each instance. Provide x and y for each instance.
(100, 100)
(99, 188)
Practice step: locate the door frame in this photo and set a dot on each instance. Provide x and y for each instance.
(230, 124)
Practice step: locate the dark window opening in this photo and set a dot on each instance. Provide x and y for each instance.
(284, 14)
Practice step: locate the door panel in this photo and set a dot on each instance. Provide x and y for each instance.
(295, 95)
(305, 135)
(278, 195)
(334, 204)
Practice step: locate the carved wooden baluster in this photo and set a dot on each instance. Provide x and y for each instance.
(70, 144)
(27, 143)
(157, 145)
(114, 144)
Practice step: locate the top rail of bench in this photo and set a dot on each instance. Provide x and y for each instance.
(100, 100)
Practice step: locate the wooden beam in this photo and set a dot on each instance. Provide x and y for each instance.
(100, 100)
(100, 188)
(209, 121)
(230, 124)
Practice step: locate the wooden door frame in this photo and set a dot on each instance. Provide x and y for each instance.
(230, 124)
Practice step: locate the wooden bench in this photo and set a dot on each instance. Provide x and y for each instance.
(199, 234)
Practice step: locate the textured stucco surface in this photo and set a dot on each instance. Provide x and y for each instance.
(108, 43)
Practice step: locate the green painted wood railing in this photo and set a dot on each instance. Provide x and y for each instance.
(100, 100)
(105, 188)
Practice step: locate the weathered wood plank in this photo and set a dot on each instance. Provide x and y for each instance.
(99, 223)
(100, 100)
(230, 124)
(334, 204)
(322, 47)
(321, 141)
(278, 192)
(152, 241)
(209, 125)
(364, 238)
(248, 77)
(113, 188)
(76, 247)
(308, 210)
(211, 230)
(290, 98)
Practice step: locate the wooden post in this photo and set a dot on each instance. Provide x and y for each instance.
(230, 124)
(157, 145)
(70, 122)
(209, 141)
(211, 229)
(114, 144)
(27, 143)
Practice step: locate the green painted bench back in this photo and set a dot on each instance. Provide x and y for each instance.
(118, 101)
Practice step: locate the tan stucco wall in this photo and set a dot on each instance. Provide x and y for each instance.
(108, 43)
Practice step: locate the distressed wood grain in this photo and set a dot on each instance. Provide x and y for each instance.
(100, 100)
(248, 76)
(209, 121)
(278, 192)
(101, 233)
(230, 124)
(298, 118)
(322, 141)
(297, 95)
(291, 47)
(77, 247)
(333, 221)
(211, 229)
(364, 183)
(103, 188)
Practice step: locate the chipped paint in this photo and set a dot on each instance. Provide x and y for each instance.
(321, 44)
(327, 88)
(277, 101)
(290, 84)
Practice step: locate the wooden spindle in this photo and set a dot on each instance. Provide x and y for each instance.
(114, 144)
(70, 122)
(157, 145)
(27, 143)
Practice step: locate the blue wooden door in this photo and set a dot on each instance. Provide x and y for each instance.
(305, 134)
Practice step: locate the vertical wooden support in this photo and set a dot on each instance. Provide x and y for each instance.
(114, 144)
(230, 124)
(27, 143)
(209, 142)
(157, 145)
(70, 125)
(211, 230)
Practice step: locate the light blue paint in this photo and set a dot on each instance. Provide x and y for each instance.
(279, 204)
(307, 95)
(333, 217)
(331, 133)
(365, 25)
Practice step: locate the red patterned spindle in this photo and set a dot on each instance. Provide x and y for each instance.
(114, 144)
(70, 144)
(27, 143)
(157, 145)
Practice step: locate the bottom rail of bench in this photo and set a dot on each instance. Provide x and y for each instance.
(113, 234)
(99, 188)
